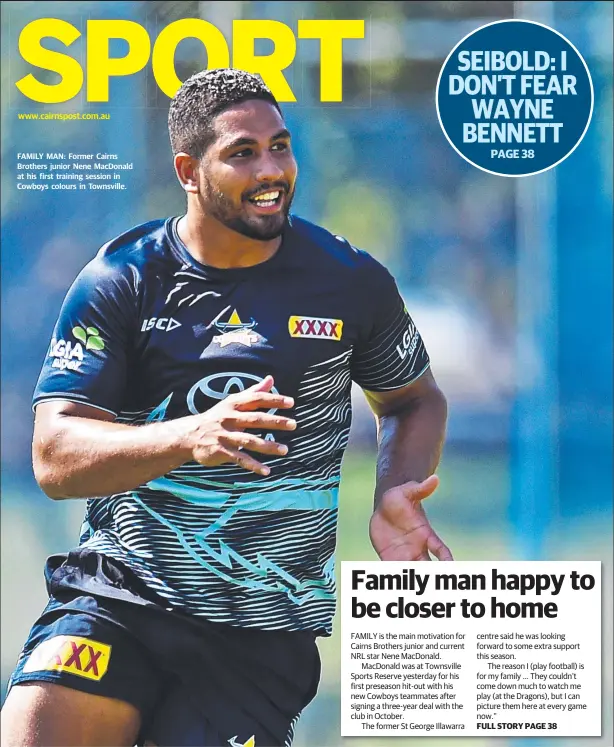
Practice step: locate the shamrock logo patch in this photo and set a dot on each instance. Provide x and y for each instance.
(90, 337)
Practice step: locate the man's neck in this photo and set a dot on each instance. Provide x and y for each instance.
(214, 244)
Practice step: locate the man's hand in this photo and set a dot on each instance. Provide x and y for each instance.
(218, 435)
(79, 452)
(399, 529)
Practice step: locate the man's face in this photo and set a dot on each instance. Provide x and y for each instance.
(249, 159)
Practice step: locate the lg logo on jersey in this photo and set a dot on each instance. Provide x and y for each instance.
(408, 343)
(66, 355)
(163, 323)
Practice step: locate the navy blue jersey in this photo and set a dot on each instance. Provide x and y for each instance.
(148, 333)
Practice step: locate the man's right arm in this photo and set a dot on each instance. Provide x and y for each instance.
(78, 452)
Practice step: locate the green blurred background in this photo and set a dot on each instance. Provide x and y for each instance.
(509, 281)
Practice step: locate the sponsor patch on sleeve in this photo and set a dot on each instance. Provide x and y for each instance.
(68, 653)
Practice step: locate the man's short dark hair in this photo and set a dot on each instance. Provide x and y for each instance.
(201, 98)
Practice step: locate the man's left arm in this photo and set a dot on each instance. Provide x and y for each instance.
(411, 424)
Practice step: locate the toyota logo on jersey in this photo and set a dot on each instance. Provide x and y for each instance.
(219, 386)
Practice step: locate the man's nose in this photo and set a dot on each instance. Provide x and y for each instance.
(267, 169)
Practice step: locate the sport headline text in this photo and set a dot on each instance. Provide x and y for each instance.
(100, 66)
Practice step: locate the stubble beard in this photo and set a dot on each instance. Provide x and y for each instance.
(260, 228)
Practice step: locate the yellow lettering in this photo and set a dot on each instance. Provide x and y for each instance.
(69, 69)
(331, 35)
(163, 60)
(101, 67)
(269, 67)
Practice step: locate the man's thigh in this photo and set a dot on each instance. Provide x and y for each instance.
(43, 714)
(81, 667)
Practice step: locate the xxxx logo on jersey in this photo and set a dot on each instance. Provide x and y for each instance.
(315, 327)
(69, 653)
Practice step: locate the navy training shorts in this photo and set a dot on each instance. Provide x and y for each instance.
(195, 682)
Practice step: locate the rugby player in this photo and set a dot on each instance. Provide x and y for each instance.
(197, 393)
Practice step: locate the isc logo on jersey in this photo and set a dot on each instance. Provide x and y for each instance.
(163, 323)
(70, 653)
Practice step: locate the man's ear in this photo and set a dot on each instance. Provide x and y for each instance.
(186, 168)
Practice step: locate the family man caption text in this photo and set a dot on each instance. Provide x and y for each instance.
(471, 648)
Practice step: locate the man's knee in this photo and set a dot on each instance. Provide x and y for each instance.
(43, 714)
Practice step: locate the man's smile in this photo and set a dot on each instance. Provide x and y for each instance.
(267, 199)
(267, 202)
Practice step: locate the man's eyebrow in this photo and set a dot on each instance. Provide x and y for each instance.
(281, 135)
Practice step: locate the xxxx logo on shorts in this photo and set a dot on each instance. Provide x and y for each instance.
(315, 327)
(70, 653)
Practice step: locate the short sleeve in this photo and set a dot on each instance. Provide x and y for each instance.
(87, 358)
(390, 353)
